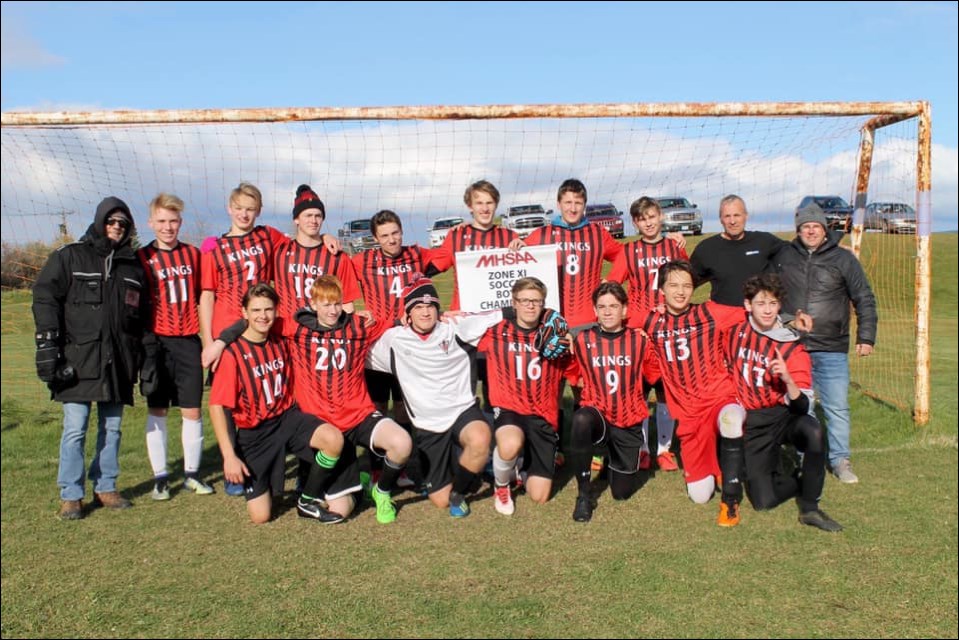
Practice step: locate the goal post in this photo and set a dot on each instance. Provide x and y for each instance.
(417, 160)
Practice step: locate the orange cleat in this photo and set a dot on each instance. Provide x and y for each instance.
(667, 462)
(728, 514)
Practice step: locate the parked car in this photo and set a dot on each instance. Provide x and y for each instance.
(355, 236)
(441, 227)
(890, 217)
(679, 215)
(608, 216)
(838, 212)
(524, 219)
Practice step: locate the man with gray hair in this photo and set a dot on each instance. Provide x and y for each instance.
(729, 258)
(822, 279)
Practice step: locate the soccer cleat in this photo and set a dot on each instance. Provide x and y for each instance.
(460, 508)
(503, 500)
(728, 514)
(232, 488)
(645, 460)
(583, 512)
(596, 464)
(161, 490)
(197, 486)
(314, 509)
(818, 518)
(843, 471)
(385, 509)
(667, 461)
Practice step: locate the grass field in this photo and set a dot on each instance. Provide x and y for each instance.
(653, 566)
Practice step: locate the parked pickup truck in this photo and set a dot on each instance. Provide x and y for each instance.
(524, 219)
(355, 236)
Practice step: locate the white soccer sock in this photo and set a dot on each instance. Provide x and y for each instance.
(664, 427)
(502, 469)
(192, 444)
(645, 427)
(701, 491)
(156, 444)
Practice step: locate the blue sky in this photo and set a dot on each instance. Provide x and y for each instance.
(93, 56)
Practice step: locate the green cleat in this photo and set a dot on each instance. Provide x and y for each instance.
(385, 509)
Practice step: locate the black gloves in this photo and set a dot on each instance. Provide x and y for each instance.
(48, 355)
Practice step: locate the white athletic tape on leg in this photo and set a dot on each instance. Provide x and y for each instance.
(731, 419)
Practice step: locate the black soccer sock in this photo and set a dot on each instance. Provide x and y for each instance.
(319, 473)
(391, 471)
(731, 463)
(462, 480)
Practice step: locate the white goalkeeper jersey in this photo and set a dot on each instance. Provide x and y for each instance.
(433, 371)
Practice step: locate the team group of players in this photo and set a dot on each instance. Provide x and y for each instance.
(296, 370)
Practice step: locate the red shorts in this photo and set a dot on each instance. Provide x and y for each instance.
(697, 435)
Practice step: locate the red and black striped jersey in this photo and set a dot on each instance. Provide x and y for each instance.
(253, 380)
(639, 264)
(749, 353)
(329, 368)
(468, 238)
(173, 276)
(691, 358)
(236, 264)
(612, 367)
(580, 265)
(519, 379)
(295, 267)
(383, 278)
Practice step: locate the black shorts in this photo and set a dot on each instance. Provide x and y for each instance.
(540, 441)
(180, 373)
(382, 385)
(622, 443)
(345, 478)
(264, 447)
(436, 449)
(766, 430)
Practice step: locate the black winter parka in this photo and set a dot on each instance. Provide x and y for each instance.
(93, 294)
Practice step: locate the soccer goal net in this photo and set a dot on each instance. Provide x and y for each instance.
(417, 161)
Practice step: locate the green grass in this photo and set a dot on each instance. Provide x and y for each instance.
(655, 565)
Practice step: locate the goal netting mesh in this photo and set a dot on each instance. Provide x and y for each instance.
(54, 176)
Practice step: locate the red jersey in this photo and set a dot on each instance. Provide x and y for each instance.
(329, 366)
(519, 379)
(173, 276)
(383, 277)
(639, 264)
(236, 264)
(294, 269)
(749, 352)
(253, 380)
(468, 239)
(691, 359)
(612, 366)
(580, 263)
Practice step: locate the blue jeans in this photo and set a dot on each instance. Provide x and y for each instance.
(830, 379)
(105, 466)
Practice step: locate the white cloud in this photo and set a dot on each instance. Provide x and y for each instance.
(20, 50)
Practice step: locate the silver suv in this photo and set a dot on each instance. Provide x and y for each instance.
(524, 219)
(679, 215)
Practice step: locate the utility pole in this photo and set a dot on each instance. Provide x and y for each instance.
(64, 232)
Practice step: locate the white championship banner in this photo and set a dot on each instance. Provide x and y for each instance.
(485, 278)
